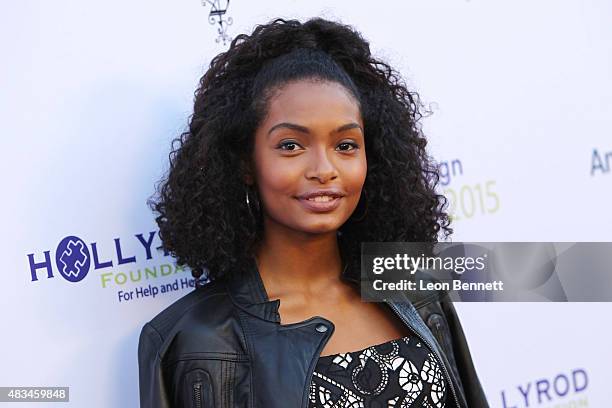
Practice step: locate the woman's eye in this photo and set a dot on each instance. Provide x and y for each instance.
(289, 146)
(343, 146)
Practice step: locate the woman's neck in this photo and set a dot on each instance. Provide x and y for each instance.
(291, 261)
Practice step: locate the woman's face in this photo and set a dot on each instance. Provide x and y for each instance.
(311, 140)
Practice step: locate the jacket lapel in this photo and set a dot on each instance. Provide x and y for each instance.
(282, 357)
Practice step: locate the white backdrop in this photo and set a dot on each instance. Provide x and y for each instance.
(93, 92)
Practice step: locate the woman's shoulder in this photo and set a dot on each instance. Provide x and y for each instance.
(201, 308)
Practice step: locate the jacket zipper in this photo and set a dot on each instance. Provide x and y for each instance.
(197, 394)
(450, 381)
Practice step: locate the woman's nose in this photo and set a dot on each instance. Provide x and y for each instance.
(321, 166)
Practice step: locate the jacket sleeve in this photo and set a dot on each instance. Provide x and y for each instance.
(152, 388)
(474, 393)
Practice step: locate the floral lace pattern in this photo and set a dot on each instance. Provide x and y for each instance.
(401, 373)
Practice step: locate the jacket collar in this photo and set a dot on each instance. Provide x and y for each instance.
(248, 292)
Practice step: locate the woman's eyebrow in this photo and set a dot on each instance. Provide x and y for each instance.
(304, 129)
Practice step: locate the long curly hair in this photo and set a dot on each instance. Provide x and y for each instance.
(204, 221)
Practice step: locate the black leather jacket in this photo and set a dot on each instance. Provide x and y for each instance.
(222, 346)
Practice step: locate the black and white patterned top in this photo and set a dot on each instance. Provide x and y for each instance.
(401, 373)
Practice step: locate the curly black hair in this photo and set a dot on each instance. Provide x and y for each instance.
(203, 219)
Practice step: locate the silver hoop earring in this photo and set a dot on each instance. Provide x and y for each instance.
(255, 212)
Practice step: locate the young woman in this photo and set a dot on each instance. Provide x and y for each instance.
(301, 146)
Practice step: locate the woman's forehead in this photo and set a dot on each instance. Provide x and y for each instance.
(308, 100)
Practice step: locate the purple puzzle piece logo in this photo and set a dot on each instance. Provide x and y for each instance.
(72, 258)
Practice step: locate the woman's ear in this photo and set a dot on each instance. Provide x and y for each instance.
(247, 173)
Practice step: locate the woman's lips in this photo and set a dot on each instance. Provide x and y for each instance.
(320, 206)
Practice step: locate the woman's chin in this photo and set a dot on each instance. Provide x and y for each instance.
(321, 227)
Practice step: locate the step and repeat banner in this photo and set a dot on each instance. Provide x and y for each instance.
(93, 93)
